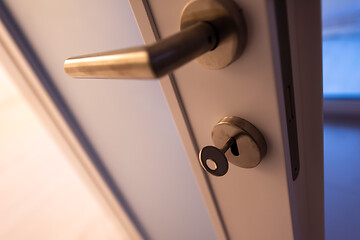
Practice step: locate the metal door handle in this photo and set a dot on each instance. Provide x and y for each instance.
(213, 31)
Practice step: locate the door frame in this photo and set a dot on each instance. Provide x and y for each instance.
(150, 34)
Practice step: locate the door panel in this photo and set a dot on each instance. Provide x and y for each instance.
(127, 122)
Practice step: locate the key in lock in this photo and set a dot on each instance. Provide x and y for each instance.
(246, 143)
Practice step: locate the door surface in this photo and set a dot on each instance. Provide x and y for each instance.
(276, 85)
(283, 196)
(271, 201)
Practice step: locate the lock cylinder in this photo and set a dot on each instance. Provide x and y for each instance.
(237, 141)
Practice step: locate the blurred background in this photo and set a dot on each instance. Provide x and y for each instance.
(58, 199)
(341, 78)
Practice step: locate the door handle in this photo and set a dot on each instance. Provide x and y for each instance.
(213, 31)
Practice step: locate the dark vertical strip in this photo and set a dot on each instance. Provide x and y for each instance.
(186, 118)
(288, 87)
(45, 79)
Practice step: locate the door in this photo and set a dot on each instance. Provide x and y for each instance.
(280, 69)
(275, 85)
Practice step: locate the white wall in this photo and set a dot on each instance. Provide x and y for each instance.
(127, 122)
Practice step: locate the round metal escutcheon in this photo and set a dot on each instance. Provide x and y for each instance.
(227, 18)
(250, 142)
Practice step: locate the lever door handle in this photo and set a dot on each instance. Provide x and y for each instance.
(213, 31)
(151, 61)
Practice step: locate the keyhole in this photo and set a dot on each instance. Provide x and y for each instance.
(234, 149)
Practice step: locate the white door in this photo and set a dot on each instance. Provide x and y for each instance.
(276, 85)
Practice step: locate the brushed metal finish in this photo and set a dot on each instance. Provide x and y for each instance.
(211, 30)
(147, 62)
(112, 64)
(228, 20)
(250, 142)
